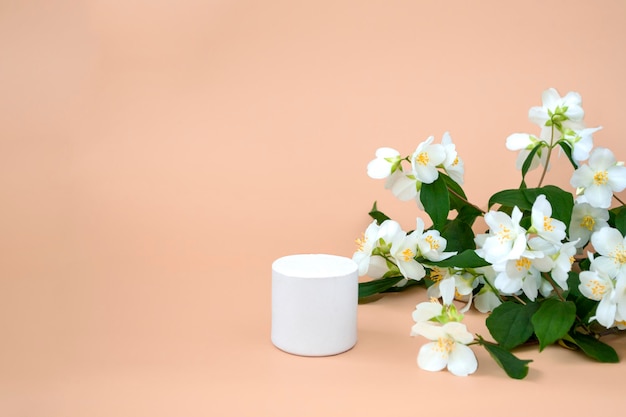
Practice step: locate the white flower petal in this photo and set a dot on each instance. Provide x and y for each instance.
(426, 173)
(430, 358)
(617, 178)
(550, 98)
(378, 169)
(458, 331)
(447, 289)
(599, 196)
(429, 330)
(426, 311)
(485, 301)
(462, 361)
(518, 141)
(377, 267)
(507, 284)
(403, 187)
(537, 115)
(386, 153)
(582, 177)
(606, 265)
(605, 313)
(601, 158)
(412, 270)
(606, 240)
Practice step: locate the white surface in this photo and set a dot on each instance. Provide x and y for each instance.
(314, 304)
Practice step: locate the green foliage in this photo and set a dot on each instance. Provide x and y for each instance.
(619, 219)
(561, 201)
(553, 320)
(377, 215)
(514, 367)
(436, 201)
(568, 151)
(527, 164)
(466, 259)
(459, 235)
(594, 348)
(564, 316)
(510, 323)
(367, 289)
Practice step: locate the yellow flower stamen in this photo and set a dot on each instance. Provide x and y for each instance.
(436, 274)
(601, 178)
(597, 288)
(445, 345)
(547, 224)
(408, 254)
(504, 234)
(523, 263)
(360, 242)
(422, 158)
(588, 222)
(619, 254)
(434, 245)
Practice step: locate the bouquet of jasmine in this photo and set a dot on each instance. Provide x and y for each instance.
(551, 268)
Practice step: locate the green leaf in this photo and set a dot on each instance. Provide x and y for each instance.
(410, 283)
(459, 236)
(594, 348)
(458, 199)
(510, 323)
(567, 149)
(376, 286)
(436, 201)
(528, 162)
(453, 184)
(620, 220)
(553, 320)
(466, 259)
(511, 198)
(379, 216)
(562, 202)
(468, 214)
(513, 366)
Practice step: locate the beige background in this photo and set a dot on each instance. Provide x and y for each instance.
(157, 156)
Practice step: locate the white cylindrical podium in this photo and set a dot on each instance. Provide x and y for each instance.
(314, 304)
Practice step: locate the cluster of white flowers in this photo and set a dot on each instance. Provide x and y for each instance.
(448, 339)
(425, 162)
(519, 256)
(606, 280)
(523, 261)
(561, 119)
(386, 248)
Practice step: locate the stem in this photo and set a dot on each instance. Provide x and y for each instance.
(451, 191)
(495, 290)
(545, 168)
(612, 330)
(555, 287)
(618, 199)
(518, 299)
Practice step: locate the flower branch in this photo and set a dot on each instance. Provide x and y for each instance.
(532, 272)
